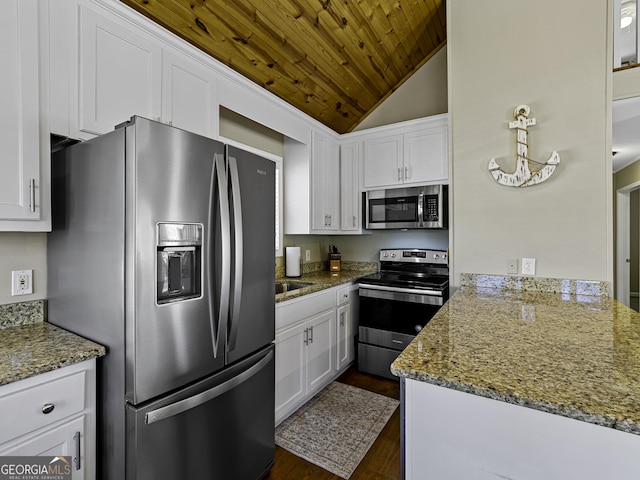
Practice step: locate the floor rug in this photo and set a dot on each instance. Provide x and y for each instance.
(336, 428)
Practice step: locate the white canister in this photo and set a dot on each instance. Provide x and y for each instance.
(293, 262)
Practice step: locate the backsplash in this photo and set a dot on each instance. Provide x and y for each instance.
(311, 267)
(23, 313)
(536, 284)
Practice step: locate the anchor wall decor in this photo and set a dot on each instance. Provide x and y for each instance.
(523, 175)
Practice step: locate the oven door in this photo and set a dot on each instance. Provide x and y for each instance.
(391, 316)
(389, 319)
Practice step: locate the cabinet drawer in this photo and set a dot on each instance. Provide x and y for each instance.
(293, 311)
(25, 408)
(342, 295)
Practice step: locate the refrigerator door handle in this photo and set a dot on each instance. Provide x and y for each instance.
(225, 268)
(239, 248)
(192, 402)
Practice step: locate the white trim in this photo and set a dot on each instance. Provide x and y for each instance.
(622, 241)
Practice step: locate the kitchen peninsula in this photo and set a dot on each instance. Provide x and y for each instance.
(561, 348)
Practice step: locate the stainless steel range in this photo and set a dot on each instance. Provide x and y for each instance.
(397, 302)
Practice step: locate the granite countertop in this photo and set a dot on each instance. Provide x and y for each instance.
(323, 279)
(29, 346)
(564, 353)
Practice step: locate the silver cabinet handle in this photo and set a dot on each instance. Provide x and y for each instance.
(310, 334)
(354, 220)
(32, 195)
(406, 173)
(76, 460)
(306, 336)
(48, 408)
(399, 173)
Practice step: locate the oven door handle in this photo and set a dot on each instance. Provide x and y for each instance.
(411, 295)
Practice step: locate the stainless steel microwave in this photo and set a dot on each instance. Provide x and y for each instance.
(405, 208)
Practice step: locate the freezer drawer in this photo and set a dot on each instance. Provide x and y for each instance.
(376, 360)
(221, 427)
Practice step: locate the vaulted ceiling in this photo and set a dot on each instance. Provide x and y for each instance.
(334, 60)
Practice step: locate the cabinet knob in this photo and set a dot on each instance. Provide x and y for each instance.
(48, 408)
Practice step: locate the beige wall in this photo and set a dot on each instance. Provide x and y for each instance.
(423, 94)
(241, 129)
(23, 251)
(501, 54)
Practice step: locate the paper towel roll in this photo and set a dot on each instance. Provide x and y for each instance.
(292, 262)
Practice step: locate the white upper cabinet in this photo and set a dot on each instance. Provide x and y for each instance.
(410, 153)
(188, 95)
(425, 155)
(119, 73)
(325, 186)
(24, 182)
(383, 161)
(349, 188)
(106, 67)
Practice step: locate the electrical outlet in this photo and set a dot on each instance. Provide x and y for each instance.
(307, 255)
(21, 282)
(528, 266)
(512, 265)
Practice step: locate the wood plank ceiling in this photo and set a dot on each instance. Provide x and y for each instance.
(335, 60)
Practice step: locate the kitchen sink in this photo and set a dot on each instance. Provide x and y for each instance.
(283, 287)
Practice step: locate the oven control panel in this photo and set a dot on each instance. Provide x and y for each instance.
(414, 255)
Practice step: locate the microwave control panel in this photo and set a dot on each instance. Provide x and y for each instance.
(431, 208)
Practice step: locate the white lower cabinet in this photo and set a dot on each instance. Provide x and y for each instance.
(304, 361)
(314, 344)
(52, 414)
(346, 314)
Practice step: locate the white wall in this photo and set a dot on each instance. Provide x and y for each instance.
(365, 248)
(501, 54)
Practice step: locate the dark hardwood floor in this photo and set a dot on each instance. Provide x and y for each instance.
(382, 461)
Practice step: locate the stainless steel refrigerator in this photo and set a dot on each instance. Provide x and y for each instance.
(162, 250)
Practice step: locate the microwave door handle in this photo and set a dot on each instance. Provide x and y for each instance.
(421, 209)
(223, 204)
(239, 249)
(206, 396)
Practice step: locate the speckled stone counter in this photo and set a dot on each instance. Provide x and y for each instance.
(323, 279)
(564, 353)
(29, 346)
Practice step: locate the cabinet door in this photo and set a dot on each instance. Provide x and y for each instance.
(20, 184)
(320, 356)
(383, 161)
(349, 188)
(119, 73)
(66, 439)
(425, 155)
(188, 93)
(290, 369)
(344, 344)
(325, 179)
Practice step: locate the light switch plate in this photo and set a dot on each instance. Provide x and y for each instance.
(528, 266)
